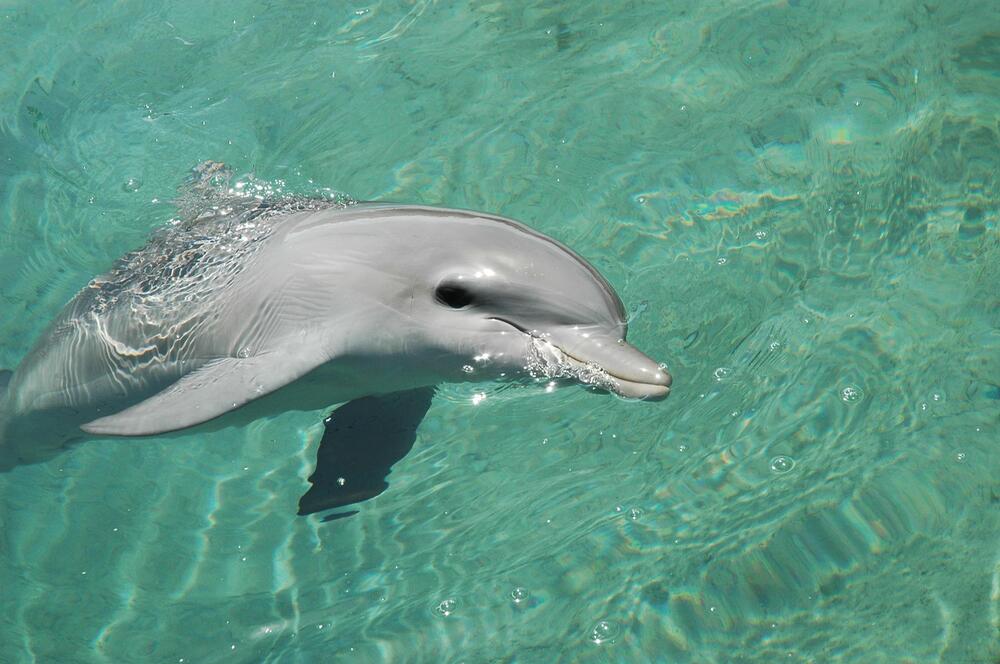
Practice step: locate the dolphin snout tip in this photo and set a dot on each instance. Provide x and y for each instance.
(668, 380)
(653, 386)
(662, 377)
(655, 375)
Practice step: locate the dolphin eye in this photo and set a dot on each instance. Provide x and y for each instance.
(453, 295)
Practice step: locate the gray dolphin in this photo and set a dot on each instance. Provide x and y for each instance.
(298, 307)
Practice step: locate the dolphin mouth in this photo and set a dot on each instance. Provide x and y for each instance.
(594, 358)
(653, 389)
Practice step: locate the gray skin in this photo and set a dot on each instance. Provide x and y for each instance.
(307, 309)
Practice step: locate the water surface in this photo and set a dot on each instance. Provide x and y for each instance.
(797, 201)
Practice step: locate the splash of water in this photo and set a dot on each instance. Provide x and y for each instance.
(547, 361)
(218, 227)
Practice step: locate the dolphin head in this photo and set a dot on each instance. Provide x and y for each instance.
(486, 296)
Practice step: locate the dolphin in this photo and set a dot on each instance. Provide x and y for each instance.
(267, 307)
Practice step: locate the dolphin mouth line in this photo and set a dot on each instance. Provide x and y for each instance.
(623, 386)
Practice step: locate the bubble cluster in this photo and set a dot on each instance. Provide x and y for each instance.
(851, 394)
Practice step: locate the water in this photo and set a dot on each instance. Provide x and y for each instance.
(798, 203)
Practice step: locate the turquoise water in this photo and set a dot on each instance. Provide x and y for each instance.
(798, 202)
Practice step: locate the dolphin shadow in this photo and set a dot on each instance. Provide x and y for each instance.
(363, 439)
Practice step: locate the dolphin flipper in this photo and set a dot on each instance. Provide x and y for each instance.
(216, 388)
(363, 439)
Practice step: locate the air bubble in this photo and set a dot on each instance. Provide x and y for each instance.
(132, 184)
(852, 394)
(605, 631)
(761, 235)
(520, 595)
(960, 457)
(635, 514)
(446, 607)
(341, 481)
(721, 260)
(721, 373)
(467, 368)
(782, 464)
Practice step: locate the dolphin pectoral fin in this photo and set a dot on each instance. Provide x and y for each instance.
(363, 439)
(216, 388)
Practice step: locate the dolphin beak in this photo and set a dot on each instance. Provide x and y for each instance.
(632, 373)
(597, 358)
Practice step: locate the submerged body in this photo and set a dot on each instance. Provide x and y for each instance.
(307, 307)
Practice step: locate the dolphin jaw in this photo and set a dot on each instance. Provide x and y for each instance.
(626, 371)
(655, 389)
